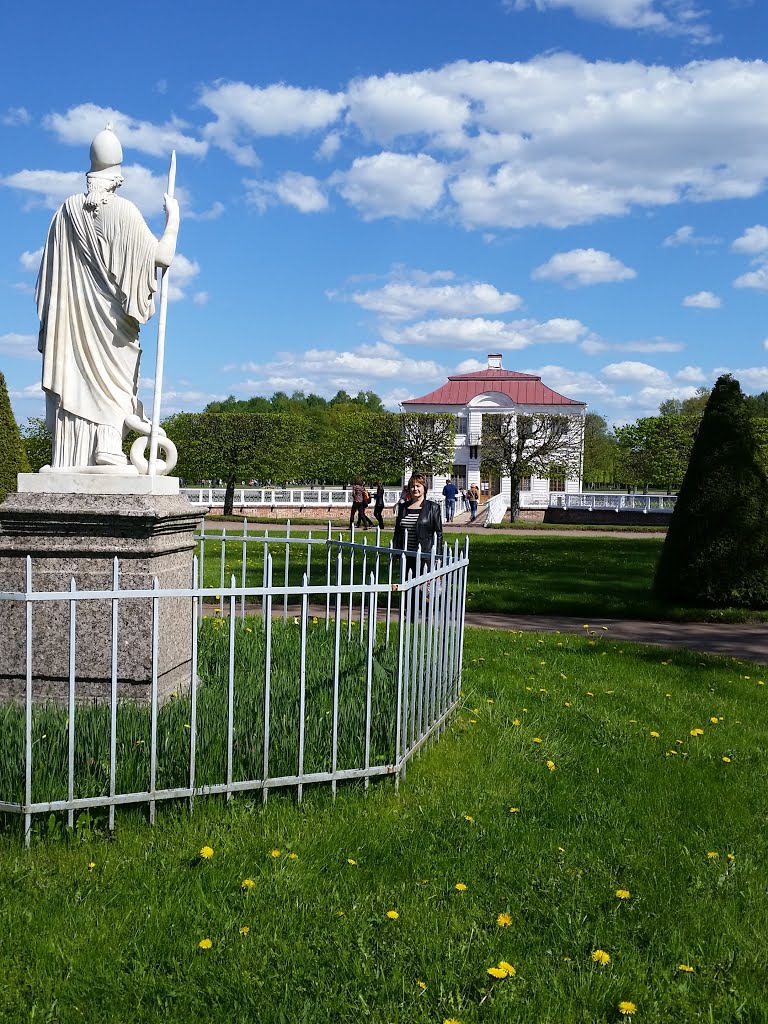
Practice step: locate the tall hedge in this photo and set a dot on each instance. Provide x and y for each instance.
(716, 549)
(13, 456)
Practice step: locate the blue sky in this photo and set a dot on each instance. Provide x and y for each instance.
(377, 195)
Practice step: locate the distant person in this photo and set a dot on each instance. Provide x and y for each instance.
(365, 520)
(358, 503)
(419, 523)
(474, 496)
(464, 500)
(378, 504)
(449, 493)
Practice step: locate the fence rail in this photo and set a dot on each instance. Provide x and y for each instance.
(338, 664)
(309, 497)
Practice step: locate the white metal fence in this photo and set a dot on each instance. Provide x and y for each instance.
(338, 663)
(276, 497)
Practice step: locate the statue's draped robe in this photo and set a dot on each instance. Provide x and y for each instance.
(96, 285)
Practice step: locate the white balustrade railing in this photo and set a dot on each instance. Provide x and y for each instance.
(495, 510)
(273, 497)
(594, 501)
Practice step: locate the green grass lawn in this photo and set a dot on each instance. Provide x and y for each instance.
(596, 746)
(578, 575)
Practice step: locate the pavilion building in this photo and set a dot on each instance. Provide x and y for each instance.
(494, 391)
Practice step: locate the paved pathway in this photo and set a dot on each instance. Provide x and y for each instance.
(747, 640)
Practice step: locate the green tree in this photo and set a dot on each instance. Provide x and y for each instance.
(716, 549)
(693, 406)
(599, 450)
(654, 451)
(427, 441)
(13, 456)
(236, 446)
(518, 446)
(758, 404)
(37, 442)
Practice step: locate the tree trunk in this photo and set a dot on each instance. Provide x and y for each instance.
(514, 500)
(229, 496)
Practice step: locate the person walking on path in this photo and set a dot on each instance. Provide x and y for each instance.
(378, 504)
(449, 493)
(358, 504)
(474, 496)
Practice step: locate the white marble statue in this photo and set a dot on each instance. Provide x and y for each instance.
(96, 286)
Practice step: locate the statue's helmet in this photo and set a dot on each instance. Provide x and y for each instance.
(106, 154)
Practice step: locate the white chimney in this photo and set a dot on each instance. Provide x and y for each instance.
(494, 360)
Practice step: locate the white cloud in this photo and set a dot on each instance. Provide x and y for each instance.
(753, 379)
(667, 17)
(402, 300)
(212, 213)
(19, 346)
(51, 188)
(594, 345)
(180, 274)
(329, 147)
(479, 333)
(390, 107)
(577, 384)
(380, 368)
(15, 116)
(754, 279)
(31, 260)
(687, 236)
(753, 241)
(392, 184)
(583, 267)
(691, 374)
(244, 112)
(703, 300)
(629, 372)
(80, 124)
(200, 298)
(301, 191)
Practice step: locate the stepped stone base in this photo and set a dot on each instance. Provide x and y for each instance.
(77, 536)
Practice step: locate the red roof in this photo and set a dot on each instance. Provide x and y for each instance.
(522, 388)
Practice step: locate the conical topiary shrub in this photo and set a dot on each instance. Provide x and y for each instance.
(13, 455)
(716, 548)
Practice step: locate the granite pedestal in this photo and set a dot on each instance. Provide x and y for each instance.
(73, 526)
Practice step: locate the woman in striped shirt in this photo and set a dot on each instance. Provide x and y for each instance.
(419, 524)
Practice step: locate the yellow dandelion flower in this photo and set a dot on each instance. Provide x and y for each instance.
(451, 1020)
(686, 968)
(712, 854)
(490, 700)
(714, 719)
(731, 856)
(727, 760)
(293, 856)
(503, 920)
(92, 865)
(460, 887)
(590, 694)
(392, 915)
(314, 620)
(497, 972)
(351, 860)
(514, 810)
(469, 818)
(248, 629)
(627, 1008)
(537, 739)
(551, 765)
(247, 883)
(422, 984)
(276, 852)
(623, 894)
(568, 704)
(601, 957)
(654, 734)
(516, 722)
(504, 966)
(206, 852)
(204, 944)
(697, 732)
(244, 929)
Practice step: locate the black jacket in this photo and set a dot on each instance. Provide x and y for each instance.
(429, 527)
